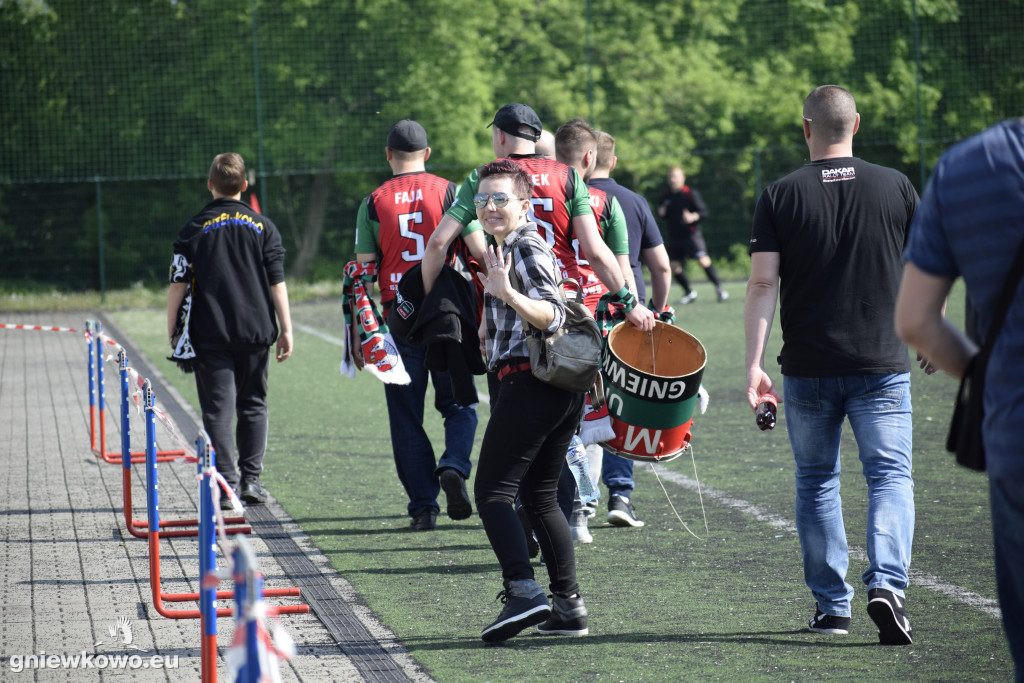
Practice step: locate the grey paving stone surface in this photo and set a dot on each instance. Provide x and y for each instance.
(74, 582)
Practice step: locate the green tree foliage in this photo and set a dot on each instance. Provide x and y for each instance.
(151, 90)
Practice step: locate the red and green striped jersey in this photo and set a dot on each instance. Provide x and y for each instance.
(397, 219)
(559, 195)
(611, 221)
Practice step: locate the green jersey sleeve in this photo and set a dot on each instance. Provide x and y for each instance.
(616, 234)
(579, 203)
(367, 231)
(463, 210)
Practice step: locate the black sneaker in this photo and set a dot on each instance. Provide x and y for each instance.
(888, 612)
(253, 492)
(568, 617)
(518, 614)
(454, 486)
(425, 521)
(621, 512)
(828, 623)
(225, 503)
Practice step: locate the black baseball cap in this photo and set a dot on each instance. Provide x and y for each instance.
(510, 117)
(407, 136)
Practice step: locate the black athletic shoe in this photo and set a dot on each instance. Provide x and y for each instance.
(225, 503)
(888, 612)
(253, 491)
(518, 614)
(568, 617)
(621, 512)
(454, 486)
(828, 623)
(425, 521)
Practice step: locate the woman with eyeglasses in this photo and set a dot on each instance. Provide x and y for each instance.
(531, 422)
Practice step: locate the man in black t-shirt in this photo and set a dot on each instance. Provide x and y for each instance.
(828, 239)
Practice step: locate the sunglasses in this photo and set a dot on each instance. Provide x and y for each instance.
(500, 199)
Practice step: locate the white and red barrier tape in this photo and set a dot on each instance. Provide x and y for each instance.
(104, 339)
(136, 381)
(43, 328)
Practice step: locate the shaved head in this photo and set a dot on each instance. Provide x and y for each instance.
(546, 144)
(831, 113)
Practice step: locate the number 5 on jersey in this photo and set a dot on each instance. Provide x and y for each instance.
(406, 221)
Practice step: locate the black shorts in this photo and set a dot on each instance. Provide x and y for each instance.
(692, 246)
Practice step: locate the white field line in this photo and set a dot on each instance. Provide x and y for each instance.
(978, 602)
(331, 339)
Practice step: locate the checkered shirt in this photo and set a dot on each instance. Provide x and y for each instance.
(535, 265)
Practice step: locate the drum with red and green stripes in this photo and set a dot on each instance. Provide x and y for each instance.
(651, 381)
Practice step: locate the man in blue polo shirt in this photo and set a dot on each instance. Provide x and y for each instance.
(646, 246)
(970, 224)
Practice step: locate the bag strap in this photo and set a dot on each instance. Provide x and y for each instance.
(513, 279)
(1003, 303)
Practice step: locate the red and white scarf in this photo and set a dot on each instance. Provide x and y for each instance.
(375, 345)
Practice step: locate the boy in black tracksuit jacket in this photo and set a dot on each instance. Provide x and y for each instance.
(233, 258)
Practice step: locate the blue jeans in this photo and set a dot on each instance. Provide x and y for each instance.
(879, 410)
(1007, 496)
(414, 456)
(617, 475)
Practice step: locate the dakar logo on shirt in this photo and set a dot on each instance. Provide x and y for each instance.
(835, 175)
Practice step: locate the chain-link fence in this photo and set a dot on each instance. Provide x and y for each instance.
(110, 111)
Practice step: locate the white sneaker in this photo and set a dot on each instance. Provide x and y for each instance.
(689, 298)
(578, 527)
(723, 295)
(581, 534)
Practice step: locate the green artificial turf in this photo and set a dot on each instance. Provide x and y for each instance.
(664, 605)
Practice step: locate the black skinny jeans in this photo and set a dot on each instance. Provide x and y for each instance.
(523, 452)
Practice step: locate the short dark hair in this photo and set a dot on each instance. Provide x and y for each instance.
(521, 182)
(605, 149)
(573, 139)
(832, 112)
(227, 173)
